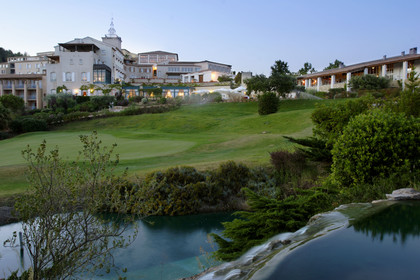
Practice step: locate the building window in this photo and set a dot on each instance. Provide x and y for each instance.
(80, 61)
(390, 68)
(101, 76)
(68, 76)
(53, 77)
(84, 77)
(71, 61)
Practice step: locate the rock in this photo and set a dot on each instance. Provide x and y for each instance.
(404, 194)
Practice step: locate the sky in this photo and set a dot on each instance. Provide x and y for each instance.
(250, 35)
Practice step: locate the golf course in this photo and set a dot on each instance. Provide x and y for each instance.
(202, 136)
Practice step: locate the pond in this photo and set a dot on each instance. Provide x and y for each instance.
(166, 247)
(384, 245)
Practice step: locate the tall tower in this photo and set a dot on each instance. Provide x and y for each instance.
(112, 38)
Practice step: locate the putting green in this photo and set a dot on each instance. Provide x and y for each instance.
(69, 146)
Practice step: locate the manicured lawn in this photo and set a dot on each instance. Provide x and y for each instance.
(197, 135)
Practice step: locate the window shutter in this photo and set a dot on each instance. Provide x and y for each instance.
(64, 76)
(88, 76)
(72, 76)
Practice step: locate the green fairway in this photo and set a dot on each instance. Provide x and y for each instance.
(196, 135)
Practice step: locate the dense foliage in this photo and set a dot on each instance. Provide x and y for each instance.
(370, 82)
(333, 65)
(4, 54)
(13, 103)
(268, 103)
(280, 81)
(376, 144)
(269, 217)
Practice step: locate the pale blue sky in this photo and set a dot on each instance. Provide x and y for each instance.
(248, 34)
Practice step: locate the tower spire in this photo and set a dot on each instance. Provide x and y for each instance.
(111, 30)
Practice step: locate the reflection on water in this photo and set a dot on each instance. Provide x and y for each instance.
(355, 253)
(399, 221)
(165, 248)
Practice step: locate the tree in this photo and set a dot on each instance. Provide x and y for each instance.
(335, 64)
(238, 78)
(280, 67)
(63, 230)
(4, 54)
(13, 103)
(282, 83)
(307, 68)
(258, 83)
(4, 117)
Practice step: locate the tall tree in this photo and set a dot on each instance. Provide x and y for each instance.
(258, 83)
(335, 64)
(4, 54)
(307, 68)
(280, 67)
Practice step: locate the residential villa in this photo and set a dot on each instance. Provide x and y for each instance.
(395, 68)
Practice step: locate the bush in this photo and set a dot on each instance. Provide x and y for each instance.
(161, 100)
(224, 78)
(135, 99)
(123, 102)
(375, 145)
(230, 178)
(268, 103)
(13, 103)
(82, 99)
(333, 92)
(288, 164)
(368, 82)
(102, 102)
(28, 124)
(329, 121)
(177, 191)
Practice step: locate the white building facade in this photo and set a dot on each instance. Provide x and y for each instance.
(86, 61)
(395, 68)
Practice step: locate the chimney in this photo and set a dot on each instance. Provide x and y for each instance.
(413, 50)
(402, 53)
(384, 57)
(341, 65)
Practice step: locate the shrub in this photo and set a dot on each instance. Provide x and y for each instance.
(11, 102)
(102, 102)
(177, 191)
(336, 93)
(122, 102)
(28, 124)
(135, 99)
(268, 103)
(329, 121)
(230, 177)
(376, 144)
(287, 163)
(224, 78)
(368, 82)
(82, 99)
(161, 100)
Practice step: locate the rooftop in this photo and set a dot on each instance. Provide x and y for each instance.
(362, 66)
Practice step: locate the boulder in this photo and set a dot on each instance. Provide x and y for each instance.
(404, 194)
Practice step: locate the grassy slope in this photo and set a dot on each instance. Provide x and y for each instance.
(197, 135)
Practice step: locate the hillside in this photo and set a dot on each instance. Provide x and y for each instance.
(197, 135)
